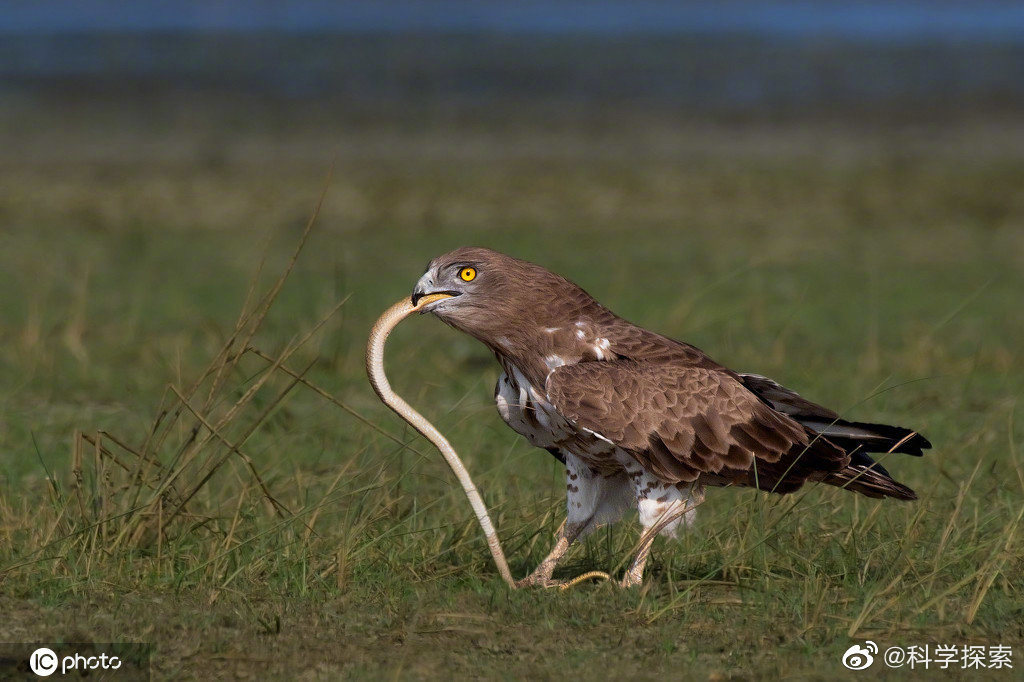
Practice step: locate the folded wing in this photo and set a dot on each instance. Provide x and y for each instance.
(681, 422)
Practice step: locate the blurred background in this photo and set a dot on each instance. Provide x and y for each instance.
(751, 176)
(756, 177)
(829, 193)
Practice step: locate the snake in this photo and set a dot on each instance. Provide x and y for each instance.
(379, 380)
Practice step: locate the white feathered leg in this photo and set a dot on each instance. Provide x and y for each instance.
(664, 507)
(591, 500)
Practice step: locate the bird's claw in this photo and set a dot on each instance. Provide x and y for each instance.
(541, 577)
(629, 580)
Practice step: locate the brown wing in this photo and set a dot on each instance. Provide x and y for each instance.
(682, 421)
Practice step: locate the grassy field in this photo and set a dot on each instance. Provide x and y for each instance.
(252, 525)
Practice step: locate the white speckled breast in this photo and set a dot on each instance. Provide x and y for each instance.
(529, 413)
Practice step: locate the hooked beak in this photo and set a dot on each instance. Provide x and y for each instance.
(422, 296)
(421, 299)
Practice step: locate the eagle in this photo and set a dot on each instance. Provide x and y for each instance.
(639, 419)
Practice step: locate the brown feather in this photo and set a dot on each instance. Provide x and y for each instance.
(671, 407)
(712, 424)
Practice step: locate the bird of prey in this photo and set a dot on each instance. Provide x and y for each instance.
(639, 419)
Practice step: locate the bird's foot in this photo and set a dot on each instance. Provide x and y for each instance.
(631, 579)
(534, 580)
(540, 578)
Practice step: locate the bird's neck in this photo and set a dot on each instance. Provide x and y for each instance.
(542, 345)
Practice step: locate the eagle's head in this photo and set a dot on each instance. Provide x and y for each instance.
(483, 292)
(464, 282)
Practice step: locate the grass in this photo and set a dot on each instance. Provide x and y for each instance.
(182, 465)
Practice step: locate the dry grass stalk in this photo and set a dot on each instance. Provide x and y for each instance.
(144, 496)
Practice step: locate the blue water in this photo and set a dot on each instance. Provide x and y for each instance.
(896, 20)
(727, 56)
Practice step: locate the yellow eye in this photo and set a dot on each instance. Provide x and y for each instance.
(467, 274)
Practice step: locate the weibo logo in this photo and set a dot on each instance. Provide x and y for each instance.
(859, 657)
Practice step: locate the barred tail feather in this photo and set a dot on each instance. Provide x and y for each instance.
(869, 482)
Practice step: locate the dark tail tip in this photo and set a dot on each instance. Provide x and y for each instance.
(870, 483)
